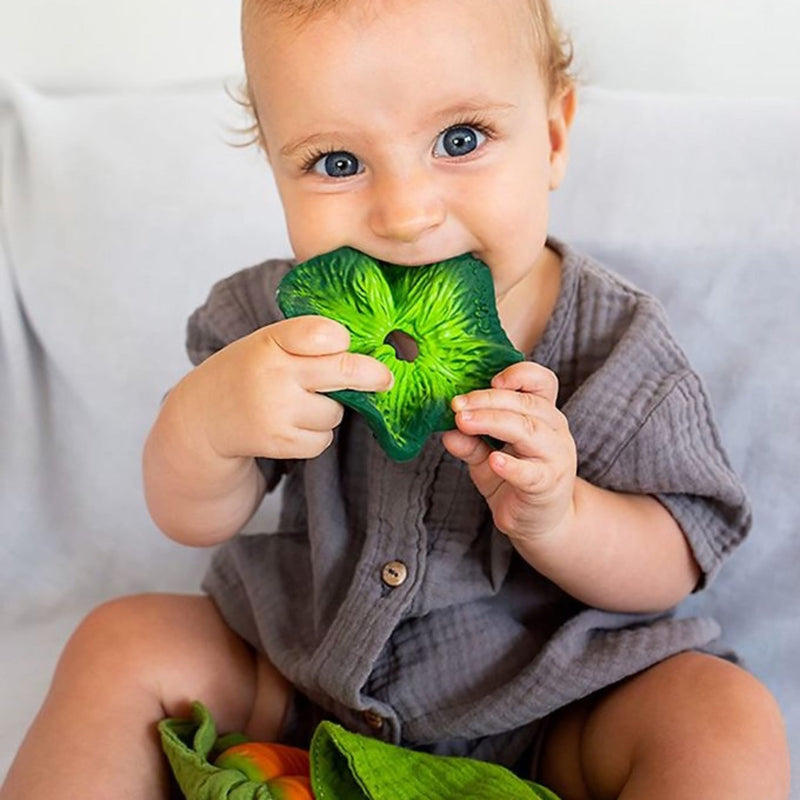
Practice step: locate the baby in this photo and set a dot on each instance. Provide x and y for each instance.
(506, 604)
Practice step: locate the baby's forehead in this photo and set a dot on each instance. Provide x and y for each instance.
(301, 12)
(295, 15)
(283, 37)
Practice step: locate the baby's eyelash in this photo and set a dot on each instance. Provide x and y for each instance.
(311, 157)
(479, 123)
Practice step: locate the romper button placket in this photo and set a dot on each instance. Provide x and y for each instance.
(394, 573)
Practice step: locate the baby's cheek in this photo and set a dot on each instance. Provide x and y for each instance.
(315, 223)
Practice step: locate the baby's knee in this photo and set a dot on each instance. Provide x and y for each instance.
(721, 695)
(691, 718)
(725, 715)
(159, 639)
(736, 709)
(174, 648)
(120, 636)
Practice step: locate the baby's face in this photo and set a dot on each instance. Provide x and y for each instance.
(413, 131)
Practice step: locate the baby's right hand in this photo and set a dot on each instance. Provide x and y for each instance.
(261, 395)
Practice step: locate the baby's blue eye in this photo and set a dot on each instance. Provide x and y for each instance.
(460, 140)
(340, 164)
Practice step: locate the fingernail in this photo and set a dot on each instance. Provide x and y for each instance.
(465, 415)
(459, 402)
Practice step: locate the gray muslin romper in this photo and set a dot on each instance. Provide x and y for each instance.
(388, 598)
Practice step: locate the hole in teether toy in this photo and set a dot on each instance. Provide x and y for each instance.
(405, 346)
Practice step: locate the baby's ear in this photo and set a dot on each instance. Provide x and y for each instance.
(561, 114)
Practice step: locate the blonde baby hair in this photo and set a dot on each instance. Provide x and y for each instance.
(552, 44)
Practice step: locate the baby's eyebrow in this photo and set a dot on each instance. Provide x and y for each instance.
(308, 142)
(463, 108)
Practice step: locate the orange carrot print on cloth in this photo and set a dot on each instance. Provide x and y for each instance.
(264, 761)
(291, 787)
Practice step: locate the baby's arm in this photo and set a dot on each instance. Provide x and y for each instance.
(617, 551)
(259, 396)
(611, 550)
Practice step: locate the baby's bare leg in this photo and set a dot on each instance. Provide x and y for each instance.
(130, 663)
(692, 726)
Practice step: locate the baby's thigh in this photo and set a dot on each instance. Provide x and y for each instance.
(178, 649)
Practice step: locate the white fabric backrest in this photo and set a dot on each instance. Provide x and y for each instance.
(118, 210)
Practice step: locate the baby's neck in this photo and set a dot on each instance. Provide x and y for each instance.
(526, 309)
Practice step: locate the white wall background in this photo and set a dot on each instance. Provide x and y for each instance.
(728, 47)
(731, 47)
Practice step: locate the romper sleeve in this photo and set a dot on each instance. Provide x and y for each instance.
(677, 456)
(237, 306)
(643, 423)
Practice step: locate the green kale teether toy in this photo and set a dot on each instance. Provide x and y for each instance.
(435, 327)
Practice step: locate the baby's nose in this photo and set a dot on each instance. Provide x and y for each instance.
(404, 207)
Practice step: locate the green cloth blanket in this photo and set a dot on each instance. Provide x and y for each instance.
(344, 766)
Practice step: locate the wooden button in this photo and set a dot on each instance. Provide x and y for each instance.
(394, 573)
(373, 719)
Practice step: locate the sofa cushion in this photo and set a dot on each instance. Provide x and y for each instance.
(118, 212)
(696, 199)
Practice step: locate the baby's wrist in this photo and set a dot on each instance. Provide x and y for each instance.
(187, 432)
(552, 544)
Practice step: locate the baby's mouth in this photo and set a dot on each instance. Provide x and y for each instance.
(415, 263)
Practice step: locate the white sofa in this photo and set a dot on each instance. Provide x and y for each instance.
(117, 212)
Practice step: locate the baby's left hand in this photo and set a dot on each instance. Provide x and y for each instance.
(529, 483)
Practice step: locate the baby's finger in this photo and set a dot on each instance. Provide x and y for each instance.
(346, 370)
(309, 444)
(469, 449)
(525, 475)
(476, 454)
(309, 336)
(528, 435)
(319, 413)
(528, 376)
(518, 402)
